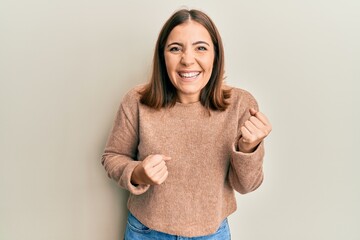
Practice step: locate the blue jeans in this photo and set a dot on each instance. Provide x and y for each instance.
(135, 230)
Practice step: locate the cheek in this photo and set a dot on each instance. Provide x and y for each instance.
(170, 64)
(207, 63)
(209, 67)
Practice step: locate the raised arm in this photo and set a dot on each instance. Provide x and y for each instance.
(246, 169)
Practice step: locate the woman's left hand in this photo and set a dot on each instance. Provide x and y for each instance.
(254, 130)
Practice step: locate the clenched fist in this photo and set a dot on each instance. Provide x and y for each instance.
(254, 130)
(152, 170)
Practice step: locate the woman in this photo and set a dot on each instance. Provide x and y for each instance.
(183, 143)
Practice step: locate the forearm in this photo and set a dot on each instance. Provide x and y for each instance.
(246, 170)
(121, 168)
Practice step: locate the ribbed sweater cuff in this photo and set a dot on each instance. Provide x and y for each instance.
(125, 180)
(256, 155)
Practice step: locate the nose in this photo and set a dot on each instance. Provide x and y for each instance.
(187, 58)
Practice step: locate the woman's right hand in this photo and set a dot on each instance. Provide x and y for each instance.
(152, 170)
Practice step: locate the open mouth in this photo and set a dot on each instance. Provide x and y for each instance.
(188, 75)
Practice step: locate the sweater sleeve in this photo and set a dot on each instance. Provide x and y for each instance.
(246, 169)
(119, 157)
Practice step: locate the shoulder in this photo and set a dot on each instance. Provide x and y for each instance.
(129, 104)
(133, 95)
(241, 96)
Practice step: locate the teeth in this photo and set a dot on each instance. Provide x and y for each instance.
(189, 74)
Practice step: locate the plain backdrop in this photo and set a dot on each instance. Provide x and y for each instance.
(65, 66)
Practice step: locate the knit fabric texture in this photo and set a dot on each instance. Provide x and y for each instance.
(205, 169)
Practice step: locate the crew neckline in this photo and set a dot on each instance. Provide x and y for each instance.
(180, 104)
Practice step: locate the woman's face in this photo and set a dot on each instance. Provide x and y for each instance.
(189, 58)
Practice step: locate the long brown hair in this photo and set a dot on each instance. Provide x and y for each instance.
(160, 92)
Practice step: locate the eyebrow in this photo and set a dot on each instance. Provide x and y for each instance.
(195, 43)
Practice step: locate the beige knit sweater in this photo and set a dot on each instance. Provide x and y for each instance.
(205, 166)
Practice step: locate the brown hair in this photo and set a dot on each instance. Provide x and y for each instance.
(160, 92)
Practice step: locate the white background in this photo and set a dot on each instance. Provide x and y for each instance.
(65, 65)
